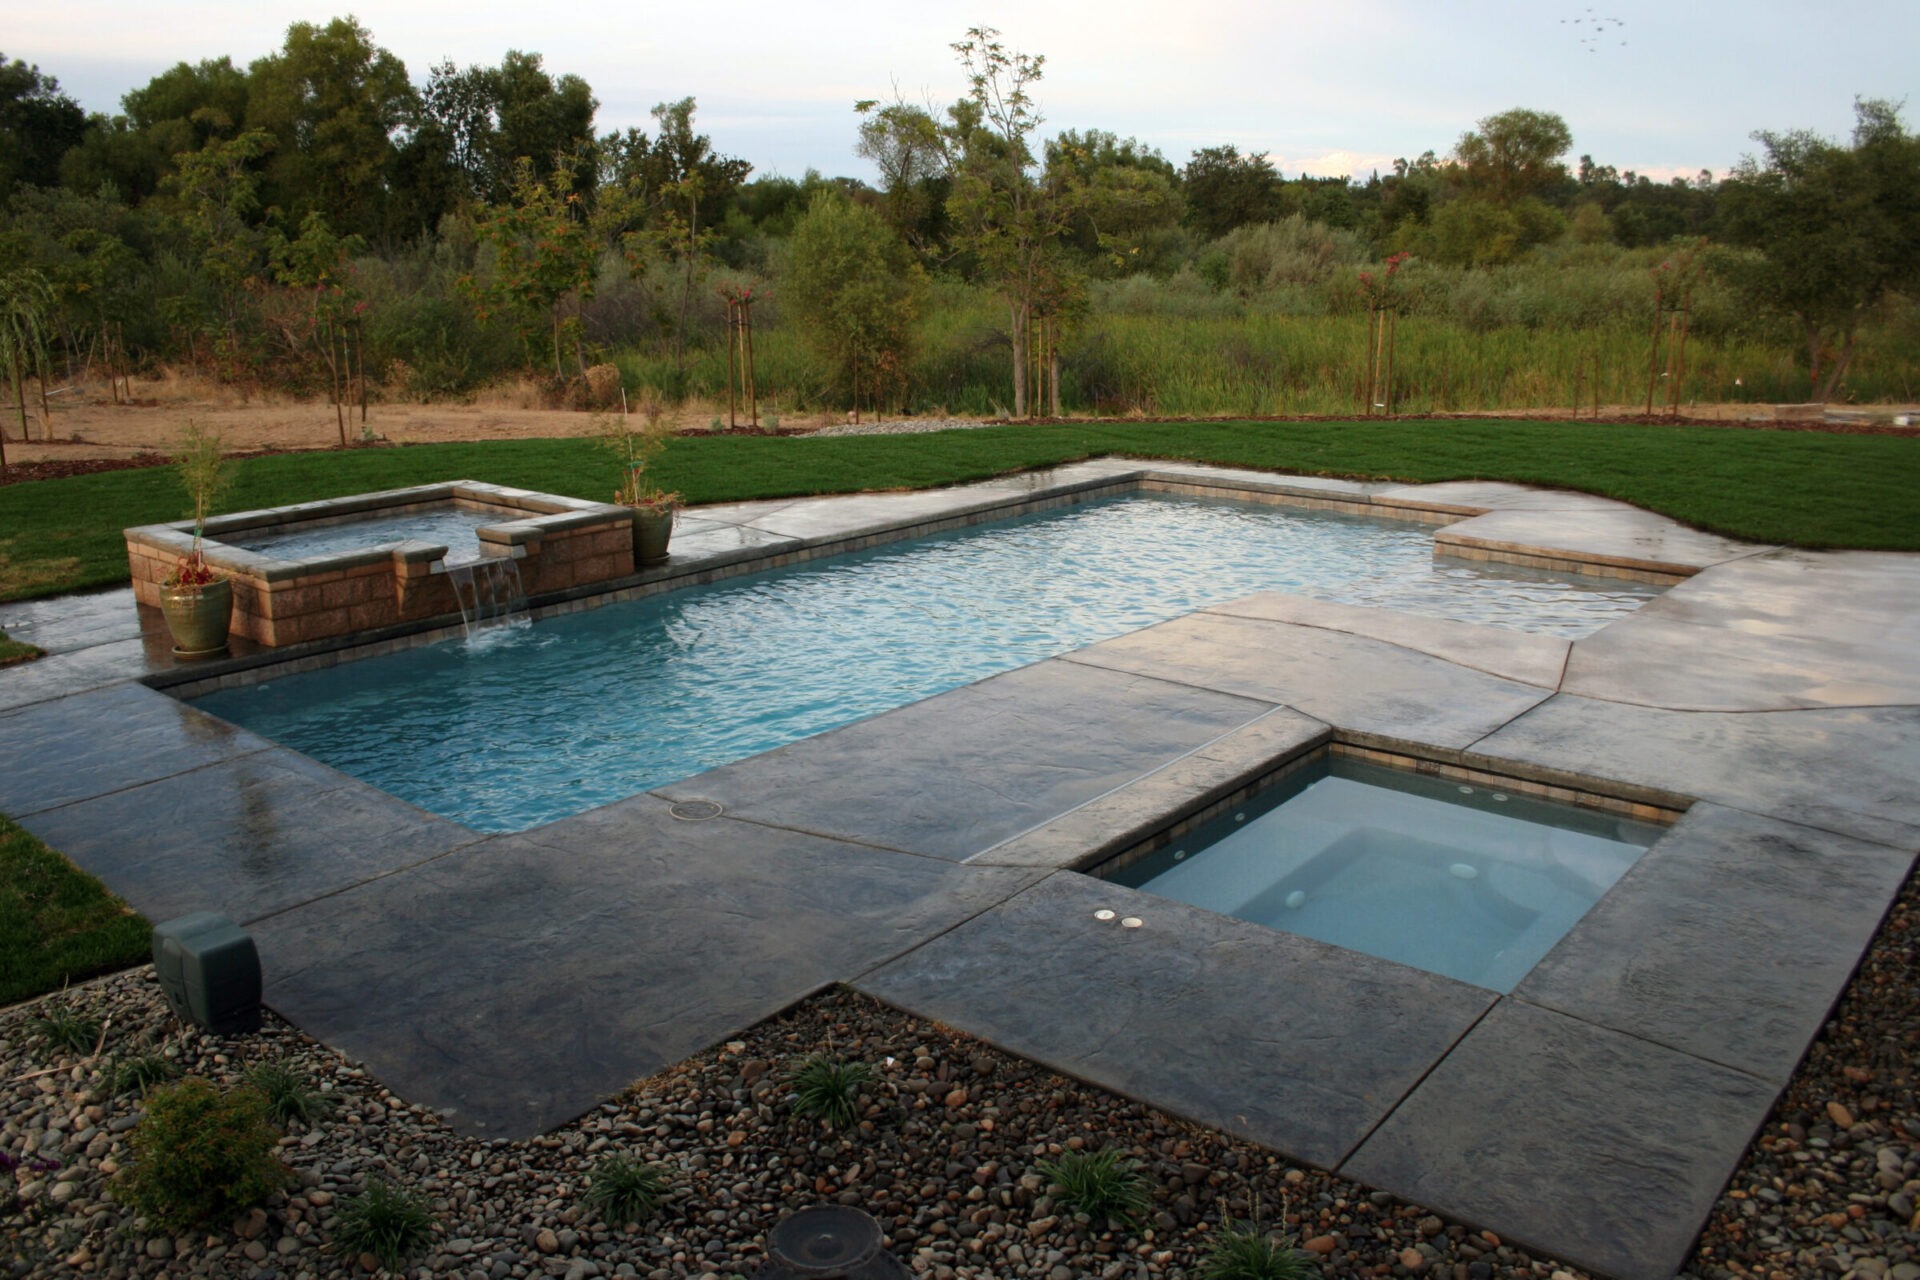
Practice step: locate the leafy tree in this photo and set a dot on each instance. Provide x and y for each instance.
(1121, 199)
(544, 254)
(855, 290)
(1835, 231)
(216, 193)
(38, 125)
(656, 192)
(189, 105)
(485, 120)
(333, 101)
(1513, 156)
(910, 149)
(1225, 190)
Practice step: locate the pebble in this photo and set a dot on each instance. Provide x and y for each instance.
(945, 1158)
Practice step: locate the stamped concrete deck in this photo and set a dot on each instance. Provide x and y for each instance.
(931, 856)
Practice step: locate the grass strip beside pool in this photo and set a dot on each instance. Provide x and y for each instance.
(57, 923)
(12, 651)
(1810, 489)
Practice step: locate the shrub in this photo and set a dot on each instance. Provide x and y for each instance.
(1099, 1184)
(390, 1222)
(201, 1155)
(624, 1188)
(825, 1088)
(64, 1029)
(289, 1099)
(1248, 1253)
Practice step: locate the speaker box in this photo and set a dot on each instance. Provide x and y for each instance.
(210, 971)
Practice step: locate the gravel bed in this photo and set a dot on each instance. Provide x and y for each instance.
(944, 1156)
(904, 427)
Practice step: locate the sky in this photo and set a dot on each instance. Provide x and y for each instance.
(1319, 86)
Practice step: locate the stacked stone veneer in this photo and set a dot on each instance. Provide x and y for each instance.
(556, 542)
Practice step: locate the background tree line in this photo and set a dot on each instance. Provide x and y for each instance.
(320, 220)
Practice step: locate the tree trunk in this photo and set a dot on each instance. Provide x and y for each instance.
(360, 363)
(1053, 374)
(1829, 388)
(686, 289)
(1020, 319)
(333, 381)
(20, 395)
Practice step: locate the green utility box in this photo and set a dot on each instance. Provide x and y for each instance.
(210, 971)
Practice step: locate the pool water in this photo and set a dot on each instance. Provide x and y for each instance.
(580, 710)
(1468, 882)
(452, 527)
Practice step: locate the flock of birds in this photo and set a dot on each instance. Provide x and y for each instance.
(1595, 29)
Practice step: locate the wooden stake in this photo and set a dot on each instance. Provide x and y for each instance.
(753, 391)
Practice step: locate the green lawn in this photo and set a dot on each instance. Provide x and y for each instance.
(1810, 489)
(12, 651)
(57, 923)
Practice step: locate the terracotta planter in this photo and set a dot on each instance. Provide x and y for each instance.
(651, 531)
(198, 618)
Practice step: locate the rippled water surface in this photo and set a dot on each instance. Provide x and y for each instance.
(455, 527)
(526, 726)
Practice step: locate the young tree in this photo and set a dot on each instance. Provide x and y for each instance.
(854, 287)
(318, 264)
(216, 194)
(1835, 231)
(1004, 217)
(544, 254)
(655, 194)
(26, 303)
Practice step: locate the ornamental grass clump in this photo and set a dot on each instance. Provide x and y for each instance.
(1246, 1252)
(826, 1088)
(201, 1155)
(624, 1188)
(1099, 1184)
(140, 1074)
(290, 1100)
(392, 1223)
(64, 1029)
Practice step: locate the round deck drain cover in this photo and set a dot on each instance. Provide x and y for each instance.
(695, 810)
(827, 1240)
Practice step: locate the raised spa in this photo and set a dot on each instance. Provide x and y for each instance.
(586, 708)
(1472, 882)
(348, 566)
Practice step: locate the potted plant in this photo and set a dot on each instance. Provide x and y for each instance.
(636, 447)
(196, 598)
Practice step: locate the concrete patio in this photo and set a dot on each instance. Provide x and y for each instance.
(932, 856)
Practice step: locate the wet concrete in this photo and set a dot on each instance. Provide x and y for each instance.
(930, 856)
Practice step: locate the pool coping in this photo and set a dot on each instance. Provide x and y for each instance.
(1443, 1060)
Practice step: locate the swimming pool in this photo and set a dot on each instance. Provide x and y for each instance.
(540, 723)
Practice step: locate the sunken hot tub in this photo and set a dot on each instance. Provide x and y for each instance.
(318, 570)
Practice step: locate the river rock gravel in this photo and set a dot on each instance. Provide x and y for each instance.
(944, 1155)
